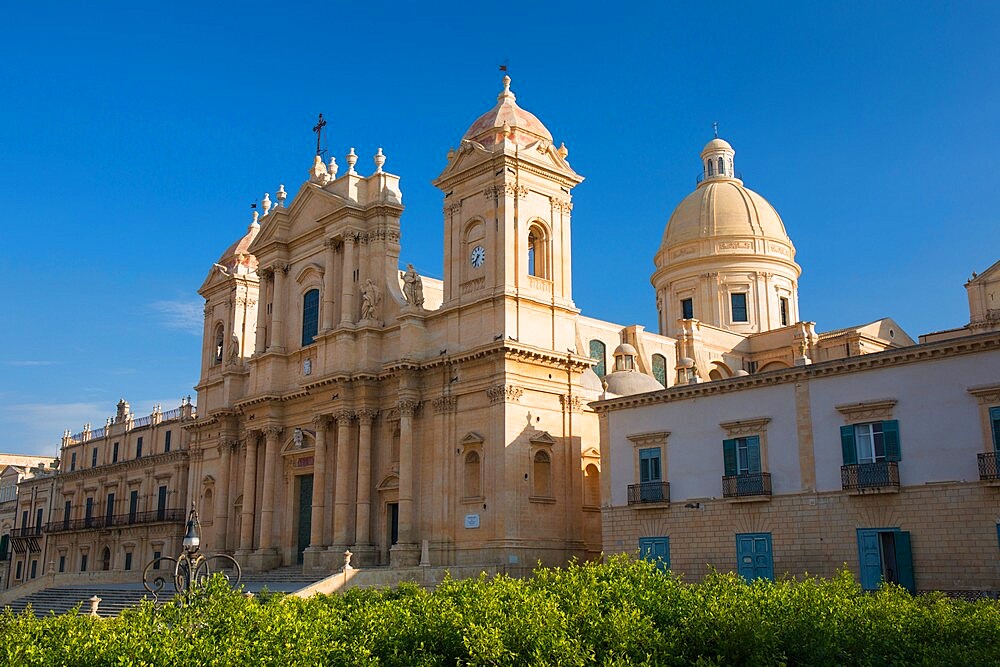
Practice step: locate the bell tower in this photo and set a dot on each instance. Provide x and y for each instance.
(507, 206)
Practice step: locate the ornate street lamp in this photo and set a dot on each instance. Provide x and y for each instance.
(191, 568)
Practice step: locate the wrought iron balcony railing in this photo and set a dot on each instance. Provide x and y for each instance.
(649, 492)
(988, 466)
(862, 476)
(747, 485)
(28, 531)
(130, 519)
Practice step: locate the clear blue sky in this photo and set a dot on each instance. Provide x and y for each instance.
(133, 139)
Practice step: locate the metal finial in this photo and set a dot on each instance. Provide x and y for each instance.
(318, 129)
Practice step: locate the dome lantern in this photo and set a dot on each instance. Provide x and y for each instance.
(717, 161)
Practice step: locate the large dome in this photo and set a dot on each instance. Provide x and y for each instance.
(522, 126)
(723, 207)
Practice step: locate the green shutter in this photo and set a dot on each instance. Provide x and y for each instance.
(995, 422)
(729, 456)
(847, 445)
(753, 454)
(904, 561)
(890, 431)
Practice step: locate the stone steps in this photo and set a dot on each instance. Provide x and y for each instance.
(61, 600)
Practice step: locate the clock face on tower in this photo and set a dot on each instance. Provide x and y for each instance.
(477, 257)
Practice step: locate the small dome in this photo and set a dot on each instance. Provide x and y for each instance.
(717, 144)
(625, 383)
(723, 208)
(625, 349)
(522, 126)
(590, 381)
(236, 259)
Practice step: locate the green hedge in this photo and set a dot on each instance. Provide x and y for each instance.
(621, 612)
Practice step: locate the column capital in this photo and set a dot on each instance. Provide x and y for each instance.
(332, 244)
(273, 432)
(343, 416)
(407, 407)
(366, 416)
(321, 421)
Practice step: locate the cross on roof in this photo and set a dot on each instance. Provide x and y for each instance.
(318, 129)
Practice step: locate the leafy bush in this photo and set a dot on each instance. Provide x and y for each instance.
(621, 612)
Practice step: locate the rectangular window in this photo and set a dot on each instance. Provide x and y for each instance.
(34, 569)
(17, 573)
(783, 303)
(128, 560)
(72, 462)
(38, 519)
(310, 316)
(649, 465)
(62, 563)
(88, 512)
(741, 456)
(687, 308)
(738, 300)
(161, 504)
(166, 441)
(83, 562)
(4, 546)
(138, 447)
(67, 510)
(995, 426)
(133, 506)
(114, 453)
(656, 549)
(24, 522)
(93, 458)
(109, 511)
(871, 442)
(156, 560)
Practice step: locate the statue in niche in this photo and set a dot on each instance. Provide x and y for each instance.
(297, 438)
(413, 287)
(234, 349)
(370, 300)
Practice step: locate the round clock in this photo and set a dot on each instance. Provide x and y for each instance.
(478, 256)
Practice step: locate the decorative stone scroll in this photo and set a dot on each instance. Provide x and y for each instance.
(744, 427)
(504, 393)
(445, 404)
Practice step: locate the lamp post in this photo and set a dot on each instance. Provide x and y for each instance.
(191, 568)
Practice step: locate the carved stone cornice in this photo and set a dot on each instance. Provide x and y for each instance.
(445, 404)
(505, 393)
(986, 393)
(879, 409)
(743, 427)
(654, 439)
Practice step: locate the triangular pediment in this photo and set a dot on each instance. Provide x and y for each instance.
(542, 438)
(311, 205)
(473, 438)
(591, 453)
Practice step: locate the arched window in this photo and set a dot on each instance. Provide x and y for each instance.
(106, 559)
(591, 486)
(472, 477)
(660, 369)
(711, 167)
(310, 316)
(208, 507)
(537, 252)
(722, 167)
(542, 473)
(219, 340)
(598, 352)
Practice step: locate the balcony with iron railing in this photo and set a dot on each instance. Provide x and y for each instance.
(648, 492)
(118, 520)
(749, 485)
(27, 531)
(877, 477)
(988, 471)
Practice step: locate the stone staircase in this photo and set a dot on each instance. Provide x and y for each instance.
(281, 579)
(61, 600)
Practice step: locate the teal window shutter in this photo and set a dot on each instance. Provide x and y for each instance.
(890, 432)
(729, 456)
(995, 423)
(847, 445)
(753, 454)
(649, 465)
(904, 561)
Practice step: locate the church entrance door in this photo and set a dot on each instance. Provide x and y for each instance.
(305, 515)
(393, 515)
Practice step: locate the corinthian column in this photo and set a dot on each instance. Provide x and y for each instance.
(406, 410)
(249, 493)
(329, 284)
(365, 419)
(321, 422)
(347, 298)
(341, 503)
(278, 310)
(272, 437)
(222, 499)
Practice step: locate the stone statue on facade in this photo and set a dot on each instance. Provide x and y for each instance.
(234, 349)
(370, 300)
(413, 287)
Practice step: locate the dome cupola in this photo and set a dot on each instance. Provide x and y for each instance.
(508, 120)
(725, 258)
